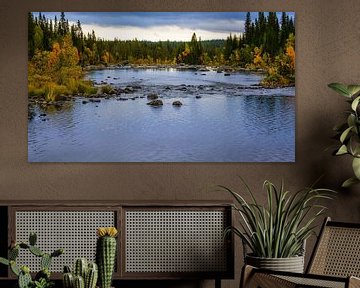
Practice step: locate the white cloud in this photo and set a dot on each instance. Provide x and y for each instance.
(156, 33)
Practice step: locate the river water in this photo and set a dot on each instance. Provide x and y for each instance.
(230, 120)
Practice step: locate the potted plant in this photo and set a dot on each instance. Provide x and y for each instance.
(348, 132)
(276, 233)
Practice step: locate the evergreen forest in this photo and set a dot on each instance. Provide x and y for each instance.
(59, 51)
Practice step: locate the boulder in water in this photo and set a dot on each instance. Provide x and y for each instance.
(155, 103)
(177, 103)
(152, 96)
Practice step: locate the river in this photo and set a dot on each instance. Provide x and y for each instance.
(222, 119)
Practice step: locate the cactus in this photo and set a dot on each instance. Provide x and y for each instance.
(67, 269)
(45, 261)
(43, 274)
(91, 276)
(24, 246)
(24, 279)
(79, 282)
(105, 255)
(80, 267)
(23, 273)
(88, 274)
(36, 251)
(57, 252)
(32, 238)
(13, 253)
(68, 280)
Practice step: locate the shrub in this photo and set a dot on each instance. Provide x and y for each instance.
(107, 89)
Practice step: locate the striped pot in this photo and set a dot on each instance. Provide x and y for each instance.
(291, 264)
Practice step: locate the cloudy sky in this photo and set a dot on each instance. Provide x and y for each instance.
(155, 26)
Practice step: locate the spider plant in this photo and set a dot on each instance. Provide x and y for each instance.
(279, 229)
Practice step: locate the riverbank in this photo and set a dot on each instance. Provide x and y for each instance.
(200, 68)
(225, 69)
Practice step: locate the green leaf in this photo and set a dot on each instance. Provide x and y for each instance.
(342, 150)
(340, 88)
(355, 103)
(353, 89)
(356, 167)
(349, 182)
(351, 120)
(345, 134)
(4, 261)
(354, 146)
(14, 268)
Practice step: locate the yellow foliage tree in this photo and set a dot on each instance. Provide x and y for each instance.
(56, 71)
(258, 60)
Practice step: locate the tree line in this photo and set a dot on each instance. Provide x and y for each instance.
(57, 50)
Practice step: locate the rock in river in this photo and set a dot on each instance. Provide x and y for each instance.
(177, 103)
(152, 96)
(155, 103)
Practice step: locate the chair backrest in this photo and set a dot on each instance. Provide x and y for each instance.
(337, 251)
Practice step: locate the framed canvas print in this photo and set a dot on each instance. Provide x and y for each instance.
(161, 87)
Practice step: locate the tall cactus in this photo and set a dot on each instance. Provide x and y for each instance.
(106, 254)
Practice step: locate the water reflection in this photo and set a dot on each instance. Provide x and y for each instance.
(226, 125)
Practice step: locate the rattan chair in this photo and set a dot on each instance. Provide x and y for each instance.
(334, 263)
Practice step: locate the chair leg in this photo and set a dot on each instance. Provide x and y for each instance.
(246, 274)
(217, 283)
(251, 279)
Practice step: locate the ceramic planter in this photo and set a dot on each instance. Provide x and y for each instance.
(291, 264)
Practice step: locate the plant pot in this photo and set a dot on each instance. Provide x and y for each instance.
(291, 264)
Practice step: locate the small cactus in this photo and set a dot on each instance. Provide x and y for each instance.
(23, 273)
(106, 254)
(79, 282)
(13, 253)
(67, 269)
(91, 276)
(84, 274)
(45, 261)
(57, 252)
(80, 268)
(36, 251)
(24, 280)
(68, 280)
(44, 273)
(24, 246)
(32, 239)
